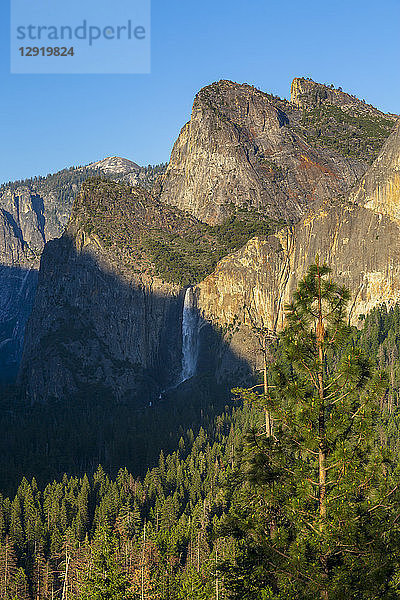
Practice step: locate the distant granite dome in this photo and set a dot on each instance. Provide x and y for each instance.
(119, 168)
(115, 165)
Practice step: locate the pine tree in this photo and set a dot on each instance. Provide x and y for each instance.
(315, 510)
(105, 579)
(39, 573)
(194, 586)
(20, 586)
(8, 567)
(82, 518)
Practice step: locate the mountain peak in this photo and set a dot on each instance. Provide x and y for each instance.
(236, 153)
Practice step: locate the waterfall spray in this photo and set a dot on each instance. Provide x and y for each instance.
(190, 341)
(190, 337)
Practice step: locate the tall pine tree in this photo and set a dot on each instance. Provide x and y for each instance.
(315, 505)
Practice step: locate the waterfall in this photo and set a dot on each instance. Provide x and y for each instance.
(190, 341)
(190, 337)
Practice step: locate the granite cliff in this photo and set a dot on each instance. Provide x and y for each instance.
(250, 288)
(359, 237)
(31, 213)
(379, 189)
(245, 148)
(102, 318)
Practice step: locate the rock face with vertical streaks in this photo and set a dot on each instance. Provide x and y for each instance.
(18, 277)
(32, 212)
(379, 189)
(252, 286)
(102, 320)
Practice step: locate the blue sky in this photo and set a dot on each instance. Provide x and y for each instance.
(49, 122)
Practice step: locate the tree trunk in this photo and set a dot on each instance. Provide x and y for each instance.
(320, 334)
(268, 418)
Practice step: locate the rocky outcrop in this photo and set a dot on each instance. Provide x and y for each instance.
(239, 149)
(330, 118)
(379, 189)
(306, 94)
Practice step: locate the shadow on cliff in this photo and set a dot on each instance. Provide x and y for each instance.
(99, 351)
(17, 293)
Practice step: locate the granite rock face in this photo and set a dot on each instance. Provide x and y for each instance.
(330, 118)
(18, 277)
(305, 93)
(95, 325)
(379, 189)
(28, 220)
(251, 287)
(242, 148)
